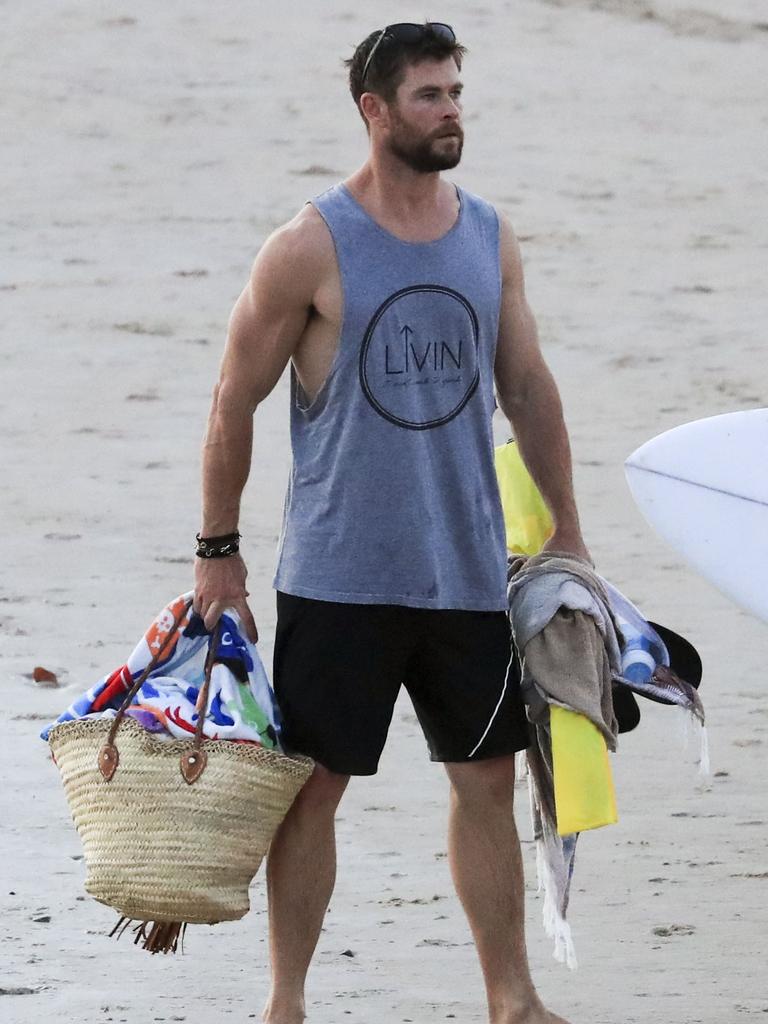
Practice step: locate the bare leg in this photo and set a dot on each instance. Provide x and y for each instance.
(487, 869)
(301, 872)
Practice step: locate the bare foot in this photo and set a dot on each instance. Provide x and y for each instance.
(536, 1014)
(541, 1016)
(274, 1014)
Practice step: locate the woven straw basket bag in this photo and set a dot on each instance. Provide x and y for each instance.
(173, 831)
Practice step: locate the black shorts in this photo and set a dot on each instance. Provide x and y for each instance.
(338, 669)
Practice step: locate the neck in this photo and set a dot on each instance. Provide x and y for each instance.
(386, 181)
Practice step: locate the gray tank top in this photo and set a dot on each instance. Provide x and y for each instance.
(392, 497)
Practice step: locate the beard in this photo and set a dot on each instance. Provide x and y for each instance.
(425, 155)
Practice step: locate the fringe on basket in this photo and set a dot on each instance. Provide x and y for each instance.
(157, 936)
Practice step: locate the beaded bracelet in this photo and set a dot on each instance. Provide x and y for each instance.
(217, 547)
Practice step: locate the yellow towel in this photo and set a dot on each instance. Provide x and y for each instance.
(584, 793)
(526, 517)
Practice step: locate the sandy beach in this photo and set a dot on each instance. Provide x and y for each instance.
(148, 152)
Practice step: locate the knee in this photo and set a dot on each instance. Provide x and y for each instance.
(483, 782)
(323, 790)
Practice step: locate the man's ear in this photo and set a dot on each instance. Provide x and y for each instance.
(374, 107)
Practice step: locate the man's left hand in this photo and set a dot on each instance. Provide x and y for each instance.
(569, 542)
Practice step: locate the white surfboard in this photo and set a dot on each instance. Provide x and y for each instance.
(704, 489)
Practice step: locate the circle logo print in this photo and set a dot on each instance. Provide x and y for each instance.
(419, 357)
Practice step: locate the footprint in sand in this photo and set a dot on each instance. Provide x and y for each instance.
(143, 396)
(317, 170)
(667, 930)
(136, 327)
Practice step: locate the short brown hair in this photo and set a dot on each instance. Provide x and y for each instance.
(387, 69)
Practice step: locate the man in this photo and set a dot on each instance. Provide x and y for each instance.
(396, 297)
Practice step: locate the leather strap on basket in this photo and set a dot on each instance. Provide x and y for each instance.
(108, 755)
(193, 761)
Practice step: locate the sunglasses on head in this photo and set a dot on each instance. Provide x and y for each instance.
(407, 32)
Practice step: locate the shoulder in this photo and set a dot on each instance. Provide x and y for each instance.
(509, 250)
(304, 239)
(297, 254)
(480, 207)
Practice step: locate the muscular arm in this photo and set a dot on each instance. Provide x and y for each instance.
(529, 398)
(265, 327)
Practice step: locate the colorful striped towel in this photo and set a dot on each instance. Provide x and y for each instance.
(241, 704)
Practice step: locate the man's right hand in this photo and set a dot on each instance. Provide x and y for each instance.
(220, 584)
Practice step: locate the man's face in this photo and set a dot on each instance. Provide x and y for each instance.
(425, 118)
